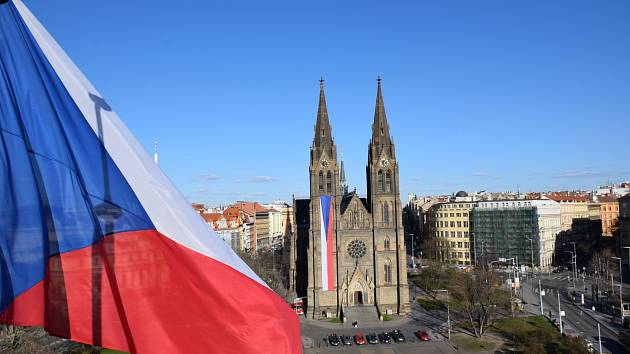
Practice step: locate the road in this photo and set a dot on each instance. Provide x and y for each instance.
(579, 318)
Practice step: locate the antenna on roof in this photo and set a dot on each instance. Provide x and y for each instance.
(155, 152)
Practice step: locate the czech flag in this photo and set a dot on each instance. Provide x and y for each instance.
(326, 242)
(96, 244)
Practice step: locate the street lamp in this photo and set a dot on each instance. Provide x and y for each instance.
(573, 269)
(474, 247)
(574, 258)
(620, 291)
(413, 258)
(531, 245)
(448, 313)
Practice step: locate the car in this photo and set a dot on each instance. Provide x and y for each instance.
(372, 338)
(423, 335)
(333, 339)
(397, 336)
(359, 339)
(385, 338)
(346, 340)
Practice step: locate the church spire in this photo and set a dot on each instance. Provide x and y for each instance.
(343, 184)
(380, 126)
(323, 131)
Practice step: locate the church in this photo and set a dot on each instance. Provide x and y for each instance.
(348, 251)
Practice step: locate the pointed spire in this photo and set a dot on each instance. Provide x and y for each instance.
(323, 131)
(342, 179)
(380, 126)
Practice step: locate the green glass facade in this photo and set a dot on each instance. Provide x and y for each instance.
(504, 233)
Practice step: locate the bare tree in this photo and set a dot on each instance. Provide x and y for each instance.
(479, 296)
(268, 265)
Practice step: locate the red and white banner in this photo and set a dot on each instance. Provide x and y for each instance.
(326, 239)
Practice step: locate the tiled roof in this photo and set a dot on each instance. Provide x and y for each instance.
(607, 199)
(566, 198)
(212, 217)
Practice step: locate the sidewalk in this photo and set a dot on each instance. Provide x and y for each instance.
(376, 324)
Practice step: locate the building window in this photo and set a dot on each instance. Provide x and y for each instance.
(459, 224)
(459, 214)
(459, 245)
(321, 182)
(459, 234)
(386, 213)
(388, 271)
(329, 182)
(452, 233)
(452, 223)
(388, 181)
(465, 223)
(386, 243)
(379, 181)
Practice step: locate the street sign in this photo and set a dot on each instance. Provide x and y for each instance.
(501, 259)
(542, 293)
(562, 313)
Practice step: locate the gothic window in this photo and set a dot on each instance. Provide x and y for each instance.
(386, 213)
(386, 243)
(323, 132)
(321, 182)
(388, 271)
(379, 181)
(329, 182)
(388, 181)
(382, 131)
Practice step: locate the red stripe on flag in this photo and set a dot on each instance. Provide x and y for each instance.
(173, 300)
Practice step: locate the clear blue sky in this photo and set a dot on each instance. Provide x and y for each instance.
(479, 94)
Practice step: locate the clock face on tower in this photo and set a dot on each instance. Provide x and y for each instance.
(324, 163)
(384, 162)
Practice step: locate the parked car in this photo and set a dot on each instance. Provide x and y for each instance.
(346, 340)
(359, 339)
(397, 336)
(423, 335)
(333, 339)
(372, 338)
(385, 338)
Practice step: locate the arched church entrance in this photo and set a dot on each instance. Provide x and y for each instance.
(358, 298)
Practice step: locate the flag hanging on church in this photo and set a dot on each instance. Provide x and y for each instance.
(96, 244)
(326, 239)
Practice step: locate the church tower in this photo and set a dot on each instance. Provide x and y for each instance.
(324, 187)
(384, 199)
